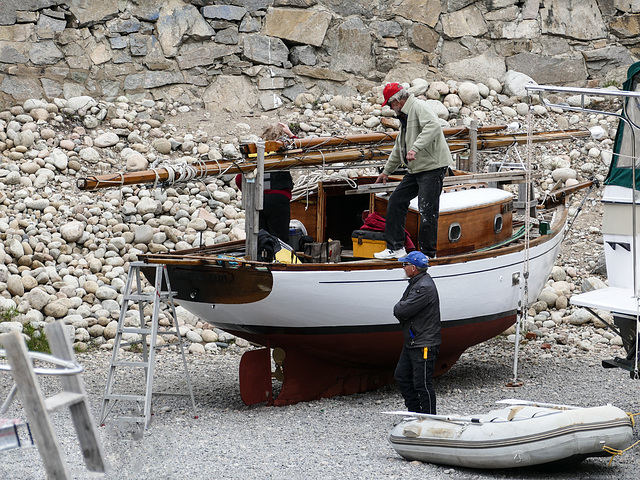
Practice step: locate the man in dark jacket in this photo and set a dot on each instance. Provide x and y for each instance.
(418, 312)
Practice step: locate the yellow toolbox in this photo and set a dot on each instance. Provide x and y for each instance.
(367, 242)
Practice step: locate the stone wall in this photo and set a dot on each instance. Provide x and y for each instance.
(260, 54)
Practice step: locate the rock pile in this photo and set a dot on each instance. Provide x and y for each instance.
(64, 254)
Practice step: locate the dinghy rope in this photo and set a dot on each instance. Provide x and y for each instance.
(617, 452)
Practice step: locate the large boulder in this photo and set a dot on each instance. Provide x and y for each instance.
(352, 47)
(72, 231)
(297, 25)
(179, 22)
(230, 93)
(575, 19)
(515, 83)
(476, 68)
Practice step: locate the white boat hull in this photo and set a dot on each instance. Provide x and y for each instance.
(621, 247)
(332, 304)
(334, 322)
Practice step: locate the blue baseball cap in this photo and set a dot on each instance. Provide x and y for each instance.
(416, 258)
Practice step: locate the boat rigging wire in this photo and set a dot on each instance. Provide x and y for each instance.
(595, 184)
(634, 202)
(524, 302)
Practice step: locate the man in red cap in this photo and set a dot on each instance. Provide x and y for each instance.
(422, 148)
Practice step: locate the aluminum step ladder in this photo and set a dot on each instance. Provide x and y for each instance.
(38, 406)
(148, 351)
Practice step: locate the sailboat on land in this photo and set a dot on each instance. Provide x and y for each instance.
(324, 318)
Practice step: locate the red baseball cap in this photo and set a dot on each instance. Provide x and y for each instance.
(389, 91)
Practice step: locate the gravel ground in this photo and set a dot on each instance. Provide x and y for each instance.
(336, 438)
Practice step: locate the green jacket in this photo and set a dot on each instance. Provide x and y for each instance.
(424, 136)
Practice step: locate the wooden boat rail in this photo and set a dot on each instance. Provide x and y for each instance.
(205, 255)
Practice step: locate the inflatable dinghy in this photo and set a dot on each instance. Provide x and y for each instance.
(519, 435)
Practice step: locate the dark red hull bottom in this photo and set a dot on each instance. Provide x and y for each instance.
(323, 366)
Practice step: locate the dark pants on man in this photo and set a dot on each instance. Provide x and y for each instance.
(275, 215)
(414, 376)
(428, 187)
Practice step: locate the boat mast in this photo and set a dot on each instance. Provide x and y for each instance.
(252, 199)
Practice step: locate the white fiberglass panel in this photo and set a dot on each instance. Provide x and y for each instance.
(618, 253)
(617, 194)
(611, 299)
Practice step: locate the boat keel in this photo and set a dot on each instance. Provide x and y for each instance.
(304, 378)
(255, 377)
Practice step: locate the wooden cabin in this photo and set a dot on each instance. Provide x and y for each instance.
(472, 217)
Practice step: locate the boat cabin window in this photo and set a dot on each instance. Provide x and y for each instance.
(497, 223)
(455, 232)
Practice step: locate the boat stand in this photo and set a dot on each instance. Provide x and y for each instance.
(38, 407)
(140, 333)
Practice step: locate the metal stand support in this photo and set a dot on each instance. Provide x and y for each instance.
(148, 351)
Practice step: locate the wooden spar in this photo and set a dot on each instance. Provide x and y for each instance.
(353, 140)
(300, 158)
(485, 141)
(557, 197)
(510, 176)
(488, 142)
(297, 159)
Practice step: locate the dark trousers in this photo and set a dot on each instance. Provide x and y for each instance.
(414, 376)
(428, 187)
(275, 215)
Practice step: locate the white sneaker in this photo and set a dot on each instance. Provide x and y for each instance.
(388, 254)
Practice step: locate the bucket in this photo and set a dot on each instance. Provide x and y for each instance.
(296, 231)
(295, 234)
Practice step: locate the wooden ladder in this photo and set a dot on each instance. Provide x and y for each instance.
(38, 407)
(148, 351)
